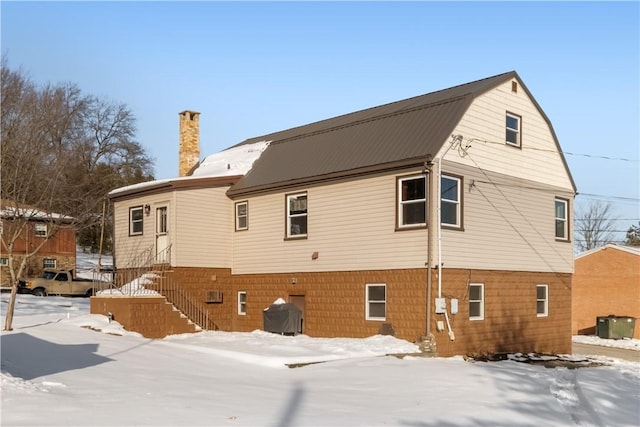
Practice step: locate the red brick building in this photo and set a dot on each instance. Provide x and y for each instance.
(606, 281)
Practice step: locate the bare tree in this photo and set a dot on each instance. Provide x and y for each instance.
(594, 226)
(633, 236)
(61, 153)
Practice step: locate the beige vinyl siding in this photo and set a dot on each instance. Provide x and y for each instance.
(129, 249)
(509, 224)
(537, 160)
(352, 227)
(204, 228)
(350, 224)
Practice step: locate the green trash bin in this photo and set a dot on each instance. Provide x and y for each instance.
(615, 327)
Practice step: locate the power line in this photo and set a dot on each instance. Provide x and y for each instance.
(524, 147)
(624, 199)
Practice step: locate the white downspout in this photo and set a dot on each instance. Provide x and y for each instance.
(456, 139)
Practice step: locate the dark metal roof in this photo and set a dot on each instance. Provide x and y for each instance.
(401, 133)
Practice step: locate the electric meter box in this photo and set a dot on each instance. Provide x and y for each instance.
(441, 305)
(454, 306)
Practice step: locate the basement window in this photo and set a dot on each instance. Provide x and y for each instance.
(242, 303)
(376, 307)
(542, 300)
(49, 263)
(476, 301)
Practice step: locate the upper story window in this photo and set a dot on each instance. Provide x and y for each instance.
(562, 220)
(450, 204)
(376, 306)
(412, 201)
(542, 300)
(41, 230)
(242, 216)
(514, 126)
(296, 215)
(476, 301)
(136, 220)
(4, 261)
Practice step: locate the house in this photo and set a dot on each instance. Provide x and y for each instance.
(606, 281)
(334, 217)
(28, 230)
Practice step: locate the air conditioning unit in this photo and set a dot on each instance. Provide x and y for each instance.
(214, 296)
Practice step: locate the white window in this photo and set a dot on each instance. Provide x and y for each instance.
(297, 215)
(242, 216)
(41, 230)
(4, 261)
(412, 201)
(376, 307)
(49, 263)
(450, 205)
(136, 218)
(242, 303)
(513, 130)
(562, 223)
(542, 300)
(476, 301)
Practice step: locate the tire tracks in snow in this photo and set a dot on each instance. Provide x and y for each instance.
(567, 391)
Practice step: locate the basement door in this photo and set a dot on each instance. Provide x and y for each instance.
(163, 255)
(298, 301)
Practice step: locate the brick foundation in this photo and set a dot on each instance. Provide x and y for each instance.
(153, 317)
(334, 306)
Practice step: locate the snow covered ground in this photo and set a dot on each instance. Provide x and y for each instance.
(62, 366)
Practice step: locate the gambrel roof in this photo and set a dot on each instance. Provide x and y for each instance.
(386, 137)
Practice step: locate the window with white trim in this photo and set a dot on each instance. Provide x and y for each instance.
(476, 301)
(242, 216)
(376, 306)
(41, 230)
(49, 263)
(412, 201)
(562, 220)
(297, 215)
(242, 303)
(542, 300)
(136, 220)
(4, 261)
(513, 133)
(450, 205)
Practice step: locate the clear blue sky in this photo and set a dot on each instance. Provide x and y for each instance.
(253, 68)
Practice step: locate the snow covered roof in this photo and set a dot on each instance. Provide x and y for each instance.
(236, 161)
(12, 210)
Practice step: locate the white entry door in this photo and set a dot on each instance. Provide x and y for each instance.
(163, 255)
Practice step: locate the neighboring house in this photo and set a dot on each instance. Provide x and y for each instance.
(334, 217)
(606, 281)
(59, 251)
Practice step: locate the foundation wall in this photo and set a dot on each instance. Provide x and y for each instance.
(153, 317)
(334, 305)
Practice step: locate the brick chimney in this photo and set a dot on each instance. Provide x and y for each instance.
(189, 154)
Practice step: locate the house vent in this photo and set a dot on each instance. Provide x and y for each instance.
(214, 296)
